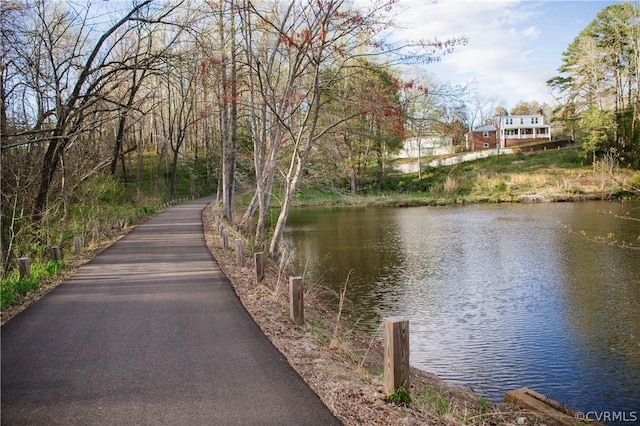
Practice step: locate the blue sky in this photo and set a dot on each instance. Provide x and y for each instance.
(514, 46)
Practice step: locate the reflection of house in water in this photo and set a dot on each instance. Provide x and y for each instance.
(511, 131)
(426, 146)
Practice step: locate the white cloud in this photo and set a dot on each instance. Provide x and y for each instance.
(531, 32)
(501, 52)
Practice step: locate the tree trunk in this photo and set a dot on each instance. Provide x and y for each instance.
(173, 175)
(49, 165)
(230, 133)
(290, 189)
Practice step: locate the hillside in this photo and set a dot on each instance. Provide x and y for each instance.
(554, 175)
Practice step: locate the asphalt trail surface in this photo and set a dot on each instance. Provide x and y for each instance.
(150, 332)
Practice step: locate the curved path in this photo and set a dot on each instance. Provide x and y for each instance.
(150, 332)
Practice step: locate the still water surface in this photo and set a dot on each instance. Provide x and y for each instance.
(498, 296)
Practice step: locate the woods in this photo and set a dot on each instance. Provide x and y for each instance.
(106, 101)
(598, 87)
(121, 106)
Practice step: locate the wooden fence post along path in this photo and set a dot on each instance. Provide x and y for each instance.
(225, 239)
(296, 300)
(24, 266)
(259, 265)
(396, 354)
(55, 253)
(239, 253)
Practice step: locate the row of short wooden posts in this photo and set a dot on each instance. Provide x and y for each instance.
(24, 263)
(396, 329)
(170, 203)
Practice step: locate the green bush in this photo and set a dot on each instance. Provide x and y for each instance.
(500, 186)
(7, 296)
(635, 182)
(400, 396)
(13, 286)
(573, 157)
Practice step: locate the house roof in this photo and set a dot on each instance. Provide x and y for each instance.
(487, 128)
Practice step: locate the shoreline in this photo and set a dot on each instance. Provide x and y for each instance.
(344, 366)
(416, 200)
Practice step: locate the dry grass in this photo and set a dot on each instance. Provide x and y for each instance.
(450, 186)
(555, 184)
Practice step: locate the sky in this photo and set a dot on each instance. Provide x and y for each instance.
(514, 46)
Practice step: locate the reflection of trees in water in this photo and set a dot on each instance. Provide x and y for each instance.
(603, 293)
(504, 275)
(362, 240)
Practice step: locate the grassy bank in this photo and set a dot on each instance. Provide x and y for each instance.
(554, 175)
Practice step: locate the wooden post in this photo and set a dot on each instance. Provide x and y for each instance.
(108, 228)
(55, 253)
(225, 239)
(396, 354)
(296, 300)
(24, 266)
(77, 244)
(239, 253)
(259, 266)
(95, 236)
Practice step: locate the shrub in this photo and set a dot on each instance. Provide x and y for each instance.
(450, 186)
(13, 286)
(400, 396)
(500, 186)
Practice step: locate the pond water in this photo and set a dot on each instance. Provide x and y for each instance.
(498, 296)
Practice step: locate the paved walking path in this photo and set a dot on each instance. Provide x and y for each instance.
(150, 332)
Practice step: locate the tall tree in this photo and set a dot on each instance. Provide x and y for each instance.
(600, 69)
(67, 72)
(228, 101)
(527, 108)
(296, 55)
(368, 113)
(597, 125)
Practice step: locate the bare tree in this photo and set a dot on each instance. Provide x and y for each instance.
(67, 73)
(297, 54)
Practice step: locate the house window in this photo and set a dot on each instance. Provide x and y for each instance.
(522, 121)
(485, 134)
(485, 145)
(509, 121)
(534, 120)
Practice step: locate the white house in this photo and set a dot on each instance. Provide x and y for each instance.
(522, 129)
